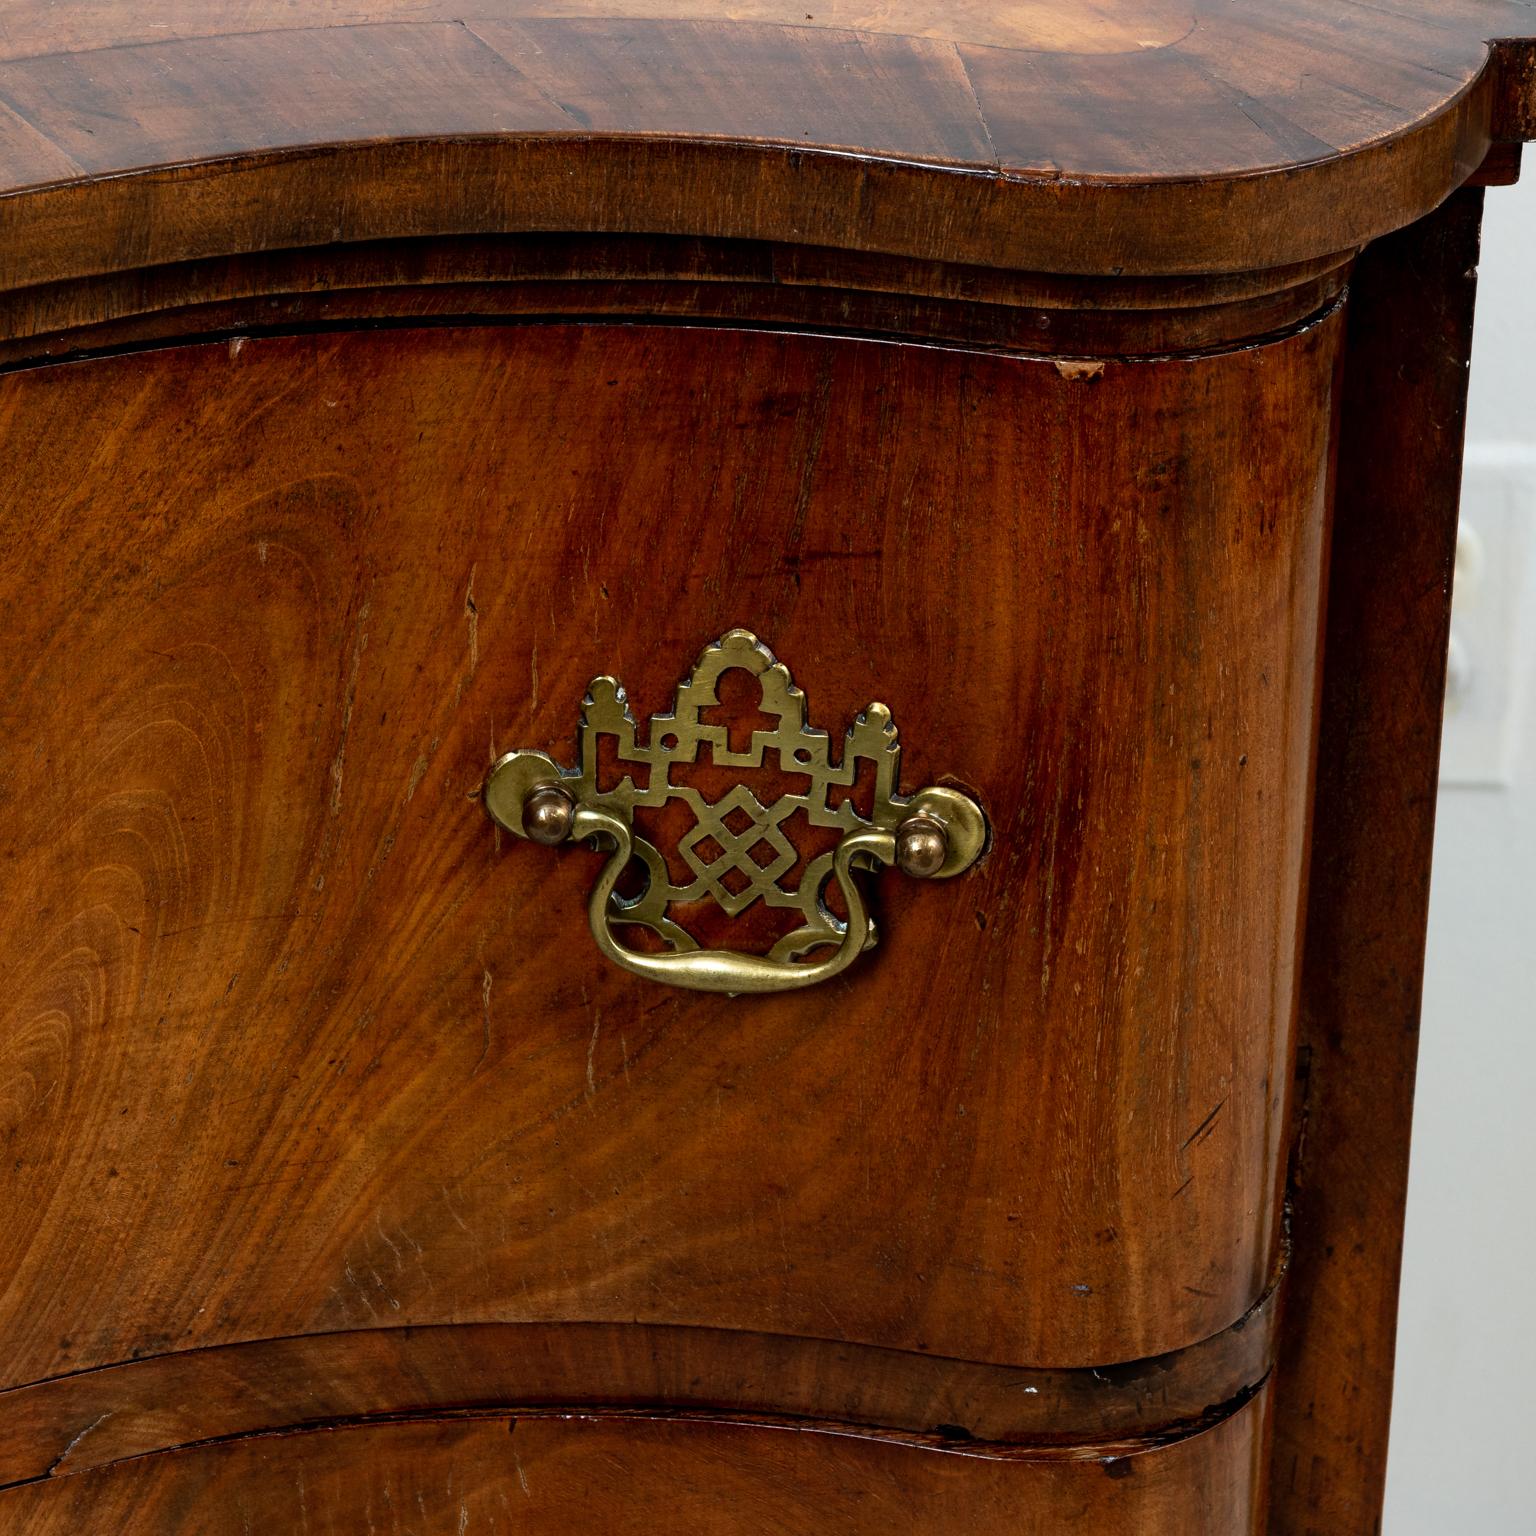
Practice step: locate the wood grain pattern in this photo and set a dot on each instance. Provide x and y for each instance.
(344, 1185)
(543, 1476)
(1037, 25)
(1403, 414)
(292, 1045)
(1162, 137)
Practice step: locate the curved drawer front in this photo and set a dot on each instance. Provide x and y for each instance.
(300, 1042)
(546, 1476)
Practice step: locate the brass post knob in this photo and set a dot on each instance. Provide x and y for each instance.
(547, 814)
(922, 847)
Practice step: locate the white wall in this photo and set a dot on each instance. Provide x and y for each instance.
(1463, 1454)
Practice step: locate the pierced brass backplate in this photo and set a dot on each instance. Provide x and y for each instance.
(737, 851)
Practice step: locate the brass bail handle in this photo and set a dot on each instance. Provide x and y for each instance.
(934, 834)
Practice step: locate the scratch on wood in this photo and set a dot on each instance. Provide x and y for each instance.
(459, 1221)
(418, 770)
(472, 614)
(359, 644)
(597, 1024)
(394, 1248)
(361, 1290)
(1204, 1129)
(485, 1020)
(63, 1455)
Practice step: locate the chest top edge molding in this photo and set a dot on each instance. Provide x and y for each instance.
(1146, 138)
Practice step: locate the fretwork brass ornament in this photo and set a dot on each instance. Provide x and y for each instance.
(737, 850)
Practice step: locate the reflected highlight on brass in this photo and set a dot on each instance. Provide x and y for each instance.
(737, 850)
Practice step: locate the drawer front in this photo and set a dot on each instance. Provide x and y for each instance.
(551, 1476)
(295, 1041)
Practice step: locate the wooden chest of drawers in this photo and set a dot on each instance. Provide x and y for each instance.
(501, 1030)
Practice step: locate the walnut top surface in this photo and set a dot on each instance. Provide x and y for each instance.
(1162, 136)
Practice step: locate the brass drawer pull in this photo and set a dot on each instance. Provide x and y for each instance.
(737, 850)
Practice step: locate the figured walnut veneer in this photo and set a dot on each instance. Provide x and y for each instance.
(1085, 381)
(250, 858)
